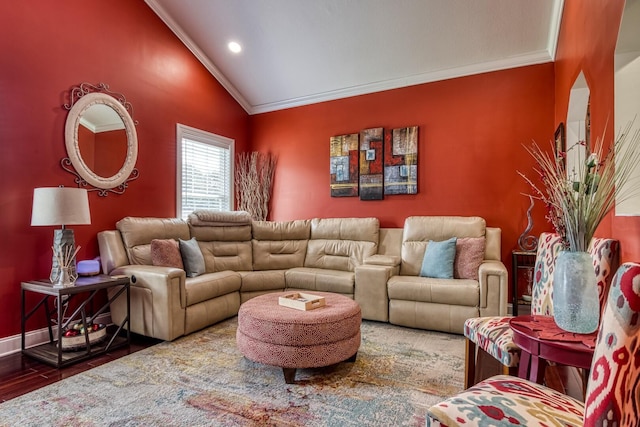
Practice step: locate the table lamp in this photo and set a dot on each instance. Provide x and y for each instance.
(61, 206)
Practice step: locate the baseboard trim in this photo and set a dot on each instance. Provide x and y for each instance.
(12, 344)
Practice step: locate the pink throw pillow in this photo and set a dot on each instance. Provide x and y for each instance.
(166, 253)
(469, 256)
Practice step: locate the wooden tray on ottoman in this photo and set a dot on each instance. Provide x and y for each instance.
(302, 301)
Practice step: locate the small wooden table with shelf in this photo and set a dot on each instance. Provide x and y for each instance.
(83, 292)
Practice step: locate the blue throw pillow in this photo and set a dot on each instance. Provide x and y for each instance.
(438, 259)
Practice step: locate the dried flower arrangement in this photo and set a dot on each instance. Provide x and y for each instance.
(578, 202)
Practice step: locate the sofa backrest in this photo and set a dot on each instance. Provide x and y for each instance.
(279, 244)
(418, 230)
(138, 232)
(341, 243)
(224, 247)
(390, 241)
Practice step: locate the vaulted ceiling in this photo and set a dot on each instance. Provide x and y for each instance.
(297, 52)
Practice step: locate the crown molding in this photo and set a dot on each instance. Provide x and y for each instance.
(554, 28)
(539, 57)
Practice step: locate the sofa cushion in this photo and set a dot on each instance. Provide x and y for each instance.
(438, 259)
(318, 279)
(277, 255)
(280, 244)
(267, 280)
(231, 233)
(418, 230)
(137, 234)
(211, 285)
(344, 255)
(469, 256)
(166, 253)
(192, 257)
(442, 291)
(359, 229)
(221, 255)
(281, 230)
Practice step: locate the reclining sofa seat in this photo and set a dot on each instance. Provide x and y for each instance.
(277, 246)
(336, 247)
(445, 304)
(165, 304)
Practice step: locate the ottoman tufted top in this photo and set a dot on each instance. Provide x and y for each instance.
(266, 308)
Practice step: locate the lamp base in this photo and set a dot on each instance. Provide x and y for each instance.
(63, 245)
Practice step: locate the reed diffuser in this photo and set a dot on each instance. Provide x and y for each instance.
(66, 258)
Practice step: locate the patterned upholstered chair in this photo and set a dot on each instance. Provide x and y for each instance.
(493, 334)
(613, 390)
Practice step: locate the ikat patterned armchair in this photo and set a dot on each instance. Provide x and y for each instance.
(493, 334)
(613, 390)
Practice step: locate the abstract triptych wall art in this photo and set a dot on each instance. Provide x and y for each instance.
(344, 165)
(375, 163)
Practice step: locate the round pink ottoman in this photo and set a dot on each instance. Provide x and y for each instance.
(288, 338)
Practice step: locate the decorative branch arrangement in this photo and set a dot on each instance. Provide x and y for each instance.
(66, 259)
(253, 180)
(577, 202)
(65, 274)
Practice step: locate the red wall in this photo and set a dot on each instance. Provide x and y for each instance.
(48, 47)
(110, 152)
(471, 132)
(587, 42)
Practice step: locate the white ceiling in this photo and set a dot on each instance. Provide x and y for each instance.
(298, 52)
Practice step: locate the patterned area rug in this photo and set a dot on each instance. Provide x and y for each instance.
(202, 380)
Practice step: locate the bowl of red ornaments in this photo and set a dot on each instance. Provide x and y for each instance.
(75, 336)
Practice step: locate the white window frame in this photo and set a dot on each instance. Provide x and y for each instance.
(188, 132)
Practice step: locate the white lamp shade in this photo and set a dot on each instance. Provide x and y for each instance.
(60, 206)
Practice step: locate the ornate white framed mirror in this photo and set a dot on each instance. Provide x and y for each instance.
(101, 139)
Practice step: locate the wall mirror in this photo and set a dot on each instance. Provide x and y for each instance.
(578, 126)
(101, 139)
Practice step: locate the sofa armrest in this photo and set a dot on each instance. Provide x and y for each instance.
(385, 260)
(158, 301)
(492, 276)
(112, 251)
(371, 290)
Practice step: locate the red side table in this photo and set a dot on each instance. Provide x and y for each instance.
(541, 340)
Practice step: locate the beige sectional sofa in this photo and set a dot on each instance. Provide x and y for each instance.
(349, 256)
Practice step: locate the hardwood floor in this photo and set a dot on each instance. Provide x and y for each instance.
(21, 374)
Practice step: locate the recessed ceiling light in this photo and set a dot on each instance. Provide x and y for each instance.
(234, 47)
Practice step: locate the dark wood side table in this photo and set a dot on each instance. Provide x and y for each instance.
(84, 291)
(519, 260)
(541, 340)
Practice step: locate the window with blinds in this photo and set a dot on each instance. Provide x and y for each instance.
(204, 172)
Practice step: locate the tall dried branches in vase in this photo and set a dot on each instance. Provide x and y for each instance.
(254, 181)
(578, 201)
